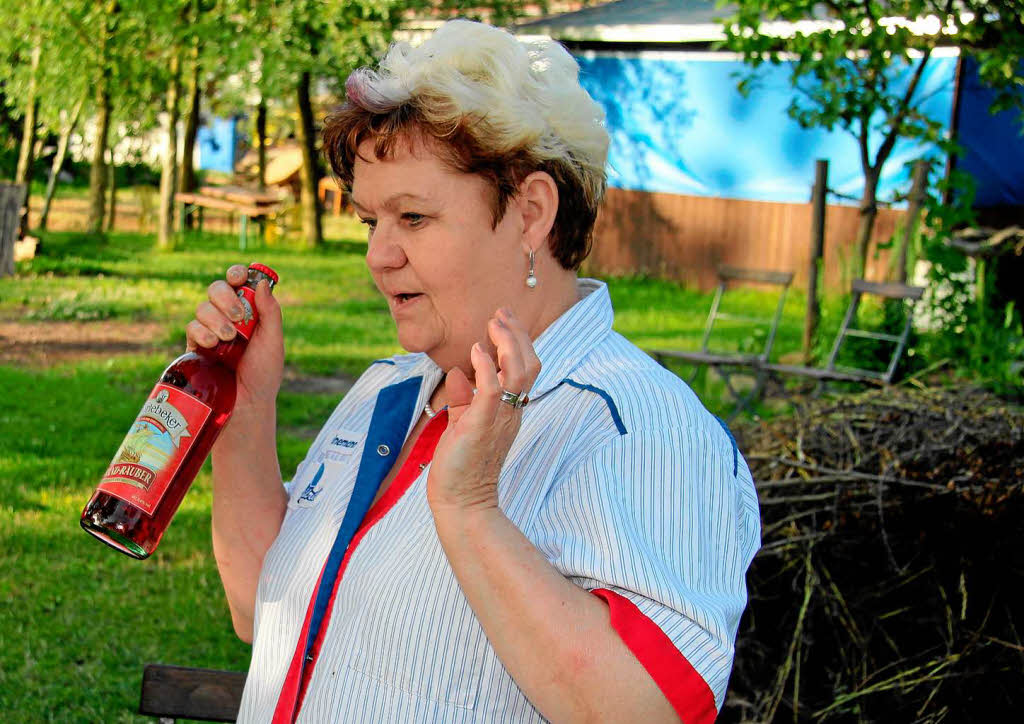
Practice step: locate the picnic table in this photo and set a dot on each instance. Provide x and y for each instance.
(247, 203)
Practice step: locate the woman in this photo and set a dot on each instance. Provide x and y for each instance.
(525, 518)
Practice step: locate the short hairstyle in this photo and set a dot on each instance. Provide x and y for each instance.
(499, 107)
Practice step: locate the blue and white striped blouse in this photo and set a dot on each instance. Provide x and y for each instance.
(618, 475)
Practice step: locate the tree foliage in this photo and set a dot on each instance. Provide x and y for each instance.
(121, 61)
(857, 65)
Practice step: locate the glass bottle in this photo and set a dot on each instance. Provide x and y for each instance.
(171, 437)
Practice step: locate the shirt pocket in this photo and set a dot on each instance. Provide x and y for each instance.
(419, 634)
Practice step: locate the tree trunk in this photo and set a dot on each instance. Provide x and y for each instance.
(165, 227)
(58, 160)
(26, 156)
(311, 228)
(98, 171)
(187, 176)
(868, 214)
(261, 140)
(111, 193)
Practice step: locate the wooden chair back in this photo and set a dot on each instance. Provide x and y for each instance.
(910, 295)
(731, 277)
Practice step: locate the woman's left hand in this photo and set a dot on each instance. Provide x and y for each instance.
(481, 428)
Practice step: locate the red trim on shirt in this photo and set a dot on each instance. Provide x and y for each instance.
(290, 689)
(684, 688)
(297, 680)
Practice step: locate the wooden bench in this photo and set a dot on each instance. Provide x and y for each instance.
(727, 363)
(169, 692)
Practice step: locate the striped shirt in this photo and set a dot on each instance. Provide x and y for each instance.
(618, 475)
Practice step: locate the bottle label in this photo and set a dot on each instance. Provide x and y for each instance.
(247, 298)
(155, 447)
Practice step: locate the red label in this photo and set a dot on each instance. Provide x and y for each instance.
(247, 298)
(155, 447)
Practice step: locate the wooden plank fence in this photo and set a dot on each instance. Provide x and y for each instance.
(687, 238)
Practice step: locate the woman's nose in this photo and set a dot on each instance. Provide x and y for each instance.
(383, 250)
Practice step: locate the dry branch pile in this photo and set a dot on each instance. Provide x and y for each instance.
(890, 585)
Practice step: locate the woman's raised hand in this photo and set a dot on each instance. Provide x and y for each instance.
(260, 371)
(481, 428)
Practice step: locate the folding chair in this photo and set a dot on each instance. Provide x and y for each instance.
(722, 361)
(832, 371)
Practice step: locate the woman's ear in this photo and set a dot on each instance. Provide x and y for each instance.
(538, 202)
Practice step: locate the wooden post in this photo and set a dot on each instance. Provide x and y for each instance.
(917, 194)
(818, 198)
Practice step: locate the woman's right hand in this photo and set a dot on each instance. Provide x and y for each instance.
(261, 368)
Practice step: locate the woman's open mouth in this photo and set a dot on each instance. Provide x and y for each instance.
(404, 298)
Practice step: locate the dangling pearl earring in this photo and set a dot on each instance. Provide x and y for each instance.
(531, 280)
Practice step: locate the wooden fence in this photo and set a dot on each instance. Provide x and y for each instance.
(686, 237)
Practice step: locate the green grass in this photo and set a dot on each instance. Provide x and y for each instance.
(77, 621)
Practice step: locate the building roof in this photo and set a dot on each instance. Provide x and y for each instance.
(635, 21)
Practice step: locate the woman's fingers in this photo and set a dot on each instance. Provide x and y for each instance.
(511, 364)
(214, 320)
(485, 402)
(225, 298)
(524, 365)
(198, 335)
(460, 392)
(237, 274)
(269, 310)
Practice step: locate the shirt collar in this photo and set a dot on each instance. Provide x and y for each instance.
(560, 347)
(417, 365)
(573, 335)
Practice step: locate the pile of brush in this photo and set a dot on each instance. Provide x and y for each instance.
(890, 584)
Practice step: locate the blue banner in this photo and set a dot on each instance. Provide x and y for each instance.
(217, 145)
(993, 143)
(679, 125)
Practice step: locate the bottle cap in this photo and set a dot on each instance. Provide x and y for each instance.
(266, 270)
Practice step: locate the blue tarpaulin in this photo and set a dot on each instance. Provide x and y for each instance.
(993, 144)
(679, 125)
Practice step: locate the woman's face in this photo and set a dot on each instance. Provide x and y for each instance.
(433, 252)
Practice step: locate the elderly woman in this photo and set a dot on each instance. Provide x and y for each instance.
(524, 518)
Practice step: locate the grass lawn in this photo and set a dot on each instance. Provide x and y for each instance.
(78, 621)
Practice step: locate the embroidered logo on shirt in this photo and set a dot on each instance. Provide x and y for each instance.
(309, 494)
(342, 443)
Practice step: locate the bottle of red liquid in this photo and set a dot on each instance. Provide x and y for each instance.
(170, 438)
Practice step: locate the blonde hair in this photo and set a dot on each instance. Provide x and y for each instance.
(501, 108)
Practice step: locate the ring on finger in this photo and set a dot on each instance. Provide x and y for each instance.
(517, 401)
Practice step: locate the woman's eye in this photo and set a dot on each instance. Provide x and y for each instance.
(413, 219)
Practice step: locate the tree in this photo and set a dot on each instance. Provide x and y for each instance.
(26, 157)
(860, 67)
(299, 50)
(107, 23)
(68, 122)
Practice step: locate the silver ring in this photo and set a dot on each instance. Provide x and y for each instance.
(511, 398)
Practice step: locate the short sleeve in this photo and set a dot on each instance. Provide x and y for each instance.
(662, 525)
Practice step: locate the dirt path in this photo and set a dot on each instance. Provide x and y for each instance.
(43, 344)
